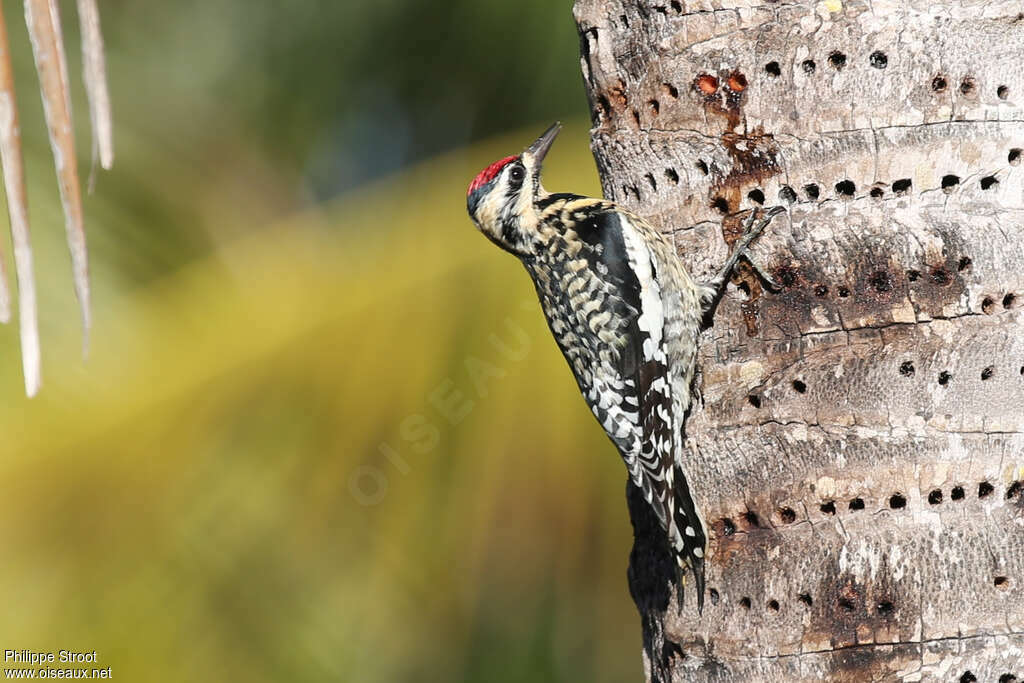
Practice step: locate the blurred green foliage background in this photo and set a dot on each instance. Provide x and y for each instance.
(323, 432)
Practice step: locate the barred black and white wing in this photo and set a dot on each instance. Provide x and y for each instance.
(644, 362)
(662, 411)
(607, 310)
(610, 330)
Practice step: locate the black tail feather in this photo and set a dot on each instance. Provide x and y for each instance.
(691, 546)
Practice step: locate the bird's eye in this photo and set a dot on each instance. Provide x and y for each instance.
(517, 174)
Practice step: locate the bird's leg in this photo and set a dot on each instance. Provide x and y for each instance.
(769, 282)
(752, 227)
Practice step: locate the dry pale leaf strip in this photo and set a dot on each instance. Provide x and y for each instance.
(5, 293)
(62, 59)
(94, 70)
(17, 207)
(48, 52)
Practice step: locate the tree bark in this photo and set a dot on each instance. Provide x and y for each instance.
(858, 450)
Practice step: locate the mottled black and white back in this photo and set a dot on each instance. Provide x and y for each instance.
(625, 314)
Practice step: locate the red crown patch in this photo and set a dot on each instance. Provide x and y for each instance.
(487, 175)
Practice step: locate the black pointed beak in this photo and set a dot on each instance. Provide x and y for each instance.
(539, 149)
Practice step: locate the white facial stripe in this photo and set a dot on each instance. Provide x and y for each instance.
(523, 207)
(505, 207)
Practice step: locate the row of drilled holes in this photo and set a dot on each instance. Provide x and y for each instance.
(845, 189)
(968, 677)
(897, 501)
(879, 60)
(988, 304)
(676, 6)
(906, 369)
(706, 84)
(883, 608)
(881, 281)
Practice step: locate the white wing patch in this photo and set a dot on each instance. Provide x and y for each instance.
(652, 311)
(651, 322)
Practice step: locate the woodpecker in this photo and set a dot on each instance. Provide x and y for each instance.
(625, 314)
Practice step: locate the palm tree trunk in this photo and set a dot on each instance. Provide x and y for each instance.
(859, 448)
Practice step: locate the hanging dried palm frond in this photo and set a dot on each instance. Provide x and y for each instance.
(43, 21)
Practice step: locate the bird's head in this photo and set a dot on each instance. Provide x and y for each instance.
(502, 199)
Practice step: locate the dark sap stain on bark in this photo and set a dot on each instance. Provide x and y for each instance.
(754, 153)
(943, 273)
(747, 281)
(726, 544)
(875, 281)
(849, 611)
(754, 158)
(861, 664)
(722, 96)
(743, 276)
(787, 275)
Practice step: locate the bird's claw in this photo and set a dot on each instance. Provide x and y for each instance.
(767, 281)
(757, 221)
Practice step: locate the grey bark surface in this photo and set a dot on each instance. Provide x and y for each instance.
(859, 448)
